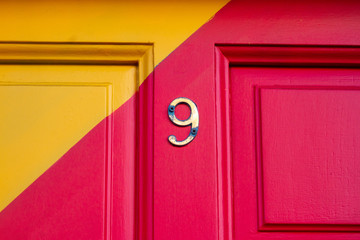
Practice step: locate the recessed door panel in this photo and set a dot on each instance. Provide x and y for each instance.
(65, 148)
(295, 151)
(310, 151)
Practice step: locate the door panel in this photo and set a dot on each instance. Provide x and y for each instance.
(309, 152)
(60, 127)
(294, 143)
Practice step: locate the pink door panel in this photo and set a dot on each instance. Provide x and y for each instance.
(294, 141)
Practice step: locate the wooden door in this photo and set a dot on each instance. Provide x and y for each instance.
(276, 87)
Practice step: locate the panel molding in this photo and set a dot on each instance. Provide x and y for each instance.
(265, 56)
(134, 54)
(269, 226)
(140, 55)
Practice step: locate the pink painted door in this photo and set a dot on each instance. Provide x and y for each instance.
(277, 152)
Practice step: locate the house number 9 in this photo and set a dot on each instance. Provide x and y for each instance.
(193, 120)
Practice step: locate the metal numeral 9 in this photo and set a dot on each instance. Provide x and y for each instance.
(193, 120)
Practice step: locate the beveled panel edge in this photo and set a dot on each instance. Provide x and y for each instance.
(291, 55)
(264, 226)
(140, 54)
(223, 158)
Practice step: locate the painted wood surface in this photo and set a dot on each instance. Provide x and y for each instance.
(52, 95)
(296, 173)
(200, 191)
(93, 184)
(65, 31)
(178, 211)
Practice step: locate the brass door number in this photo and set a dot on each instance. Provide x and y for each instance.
(193, 120)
